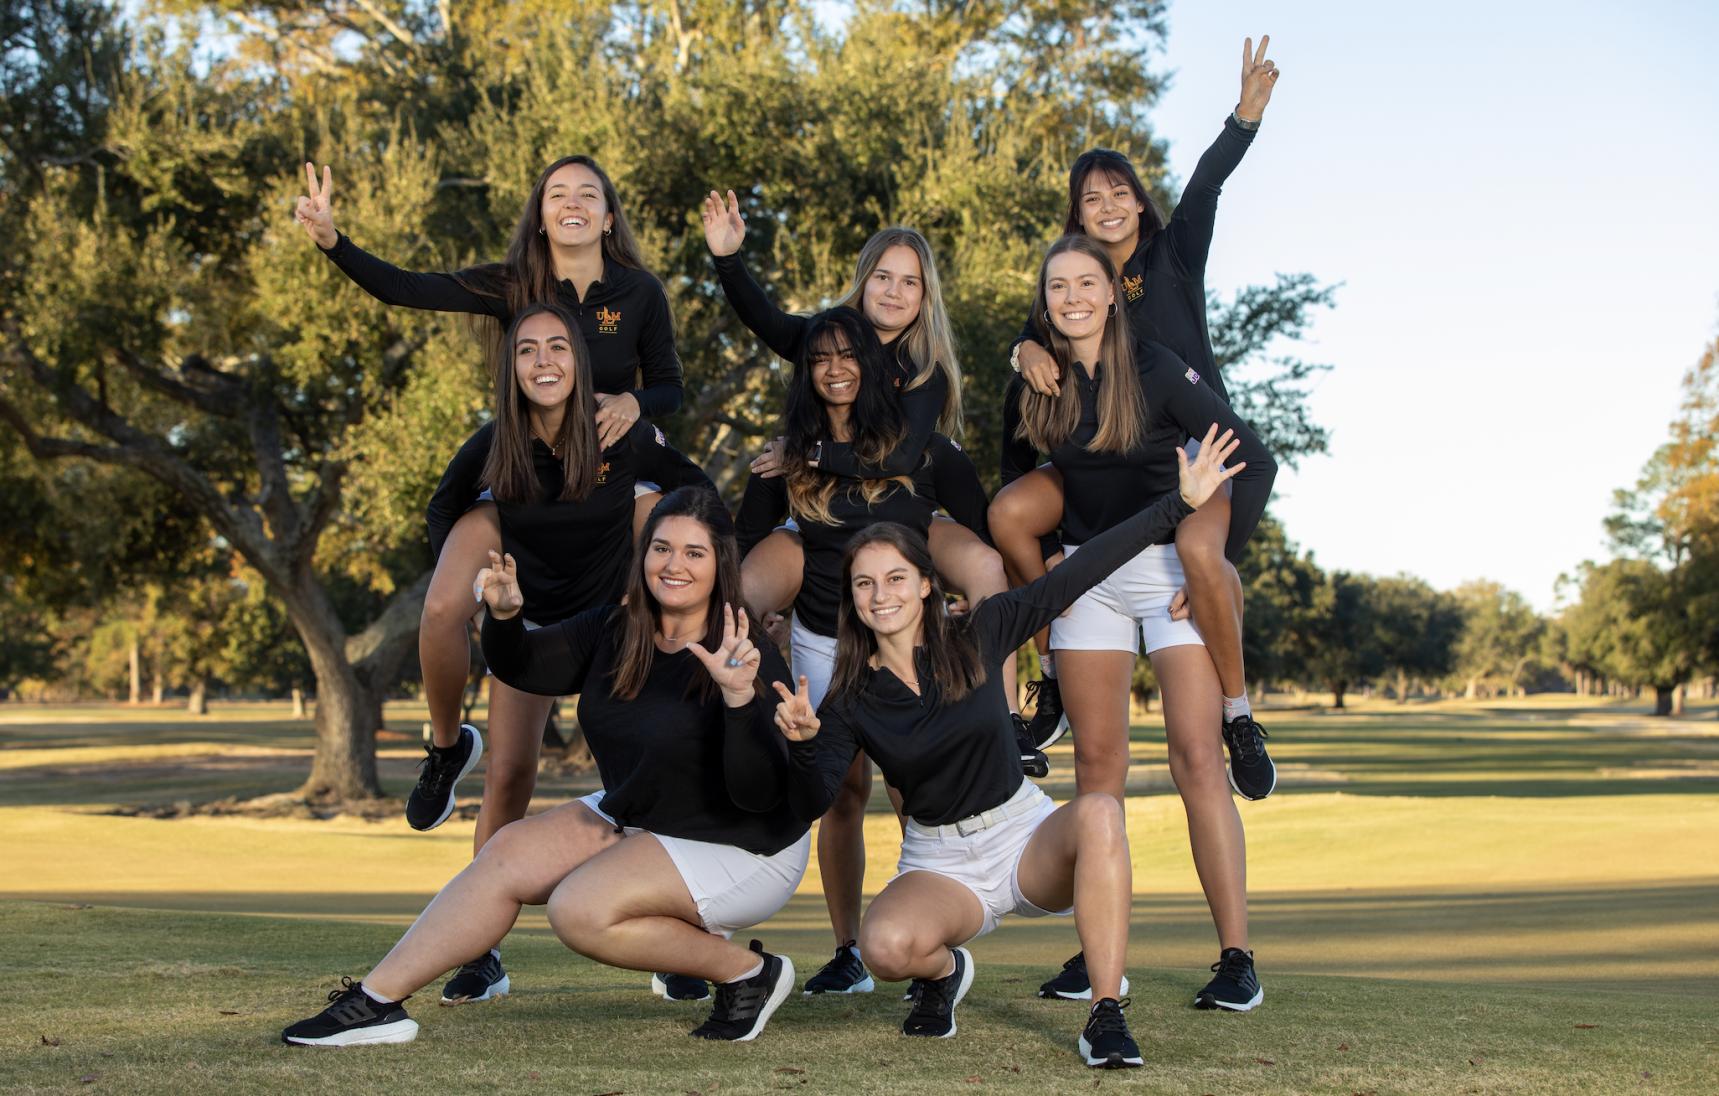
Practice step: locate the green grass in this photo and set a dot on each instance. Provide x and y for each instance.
(1444, 899)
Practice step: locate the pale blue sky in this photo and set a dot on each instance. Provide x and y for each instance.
(1522, 200)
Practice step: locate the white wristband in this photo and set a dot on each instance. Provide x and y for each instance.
(1015, 357)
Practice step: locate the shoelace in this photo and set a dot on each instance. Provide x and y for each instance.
(1079, 959)
(441, 769)
(1107, 1017)
(1033, 690)
(1233, 964)
(350, 1004)
(1248, 741)
(931, 1000)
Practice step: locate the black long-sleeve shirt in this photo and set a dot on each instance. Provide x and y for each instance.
(571, 555)
(953, 759)
(671, 763)
(1102, 489)
(1164, 281)
(946, 479)
(624, 316)
(785, 334)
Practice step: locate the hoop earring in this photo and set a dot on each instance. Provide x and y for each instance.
(608, 232)
(540, 231)
(1112, 311)
(1047, 317)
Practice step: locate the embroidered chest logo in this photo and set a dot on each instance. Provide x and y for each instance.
(608, 323)
(603, 473)
(1134, 287)
(1193, 377)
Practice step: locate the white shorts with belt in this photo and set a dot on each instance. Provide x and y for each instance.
(732, 888)
(1132, 604)
(986, 859)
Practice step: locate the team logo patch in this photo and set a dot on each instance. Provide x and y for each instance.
(603, 472)
(1134, 286)
(660, 439)
(608, 323)
(1193, 377)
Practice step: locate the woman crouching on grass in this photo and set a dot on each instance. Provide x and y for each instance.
(693, 837)
(922, 695)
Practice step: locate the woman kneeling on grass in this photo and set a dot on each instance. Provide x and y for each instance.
(693, 838)
(922, 695)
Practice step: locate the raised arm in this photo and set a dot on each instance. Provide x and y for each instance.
(1002, 623)
(1173, 390)
(725, 230)
(550, 661)
(920, 409)
(459, 488)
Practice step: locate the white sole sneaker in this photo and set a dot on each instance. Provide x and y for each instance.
(660, 988)
(400, 1031)
(1056, 735)
(960, 990)
(496, 989)
(778, 993)
(1086, 994)
(1105, 1063)
(864, 985)
(1203, 1002)
(465, 771)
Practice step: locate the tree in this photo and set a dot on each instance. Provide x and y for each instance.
(1343, 647)
(1629, 625)
(1280, 587)
(1414, 629)
(1502, 636)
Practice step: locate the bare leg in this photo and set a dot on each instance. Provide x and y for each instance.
(628, 907)
(1099, 708)
(974, 568)
(1079, 856)
(770, 574)
(515, 741)
(841, 850)
(1021, 513)
(444, 646)
(1214, 590)
(521, 866)
(911, 926)
(1192, 710)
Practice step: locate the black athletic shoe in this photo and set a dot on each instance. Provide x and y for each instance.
(1034, 763)
(479, 980)
(842, 974)
(1234, 985)
(680, 987)
(1072, 984)
(1048, 723)
(743, 1008)
(1107, 1043)
(353, 1019)
(933, 1014)
(1252, 774)
(433, 799)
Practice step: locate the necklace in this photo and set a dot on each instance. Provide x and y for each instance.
(554, 448)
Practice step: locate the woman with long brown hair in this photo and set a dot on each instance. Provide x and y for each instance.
(692, 838)
(572, 247)
(564, 507)
(921, 693)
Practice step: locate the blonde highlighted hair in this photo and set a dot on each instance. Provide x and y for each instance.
(930, 339)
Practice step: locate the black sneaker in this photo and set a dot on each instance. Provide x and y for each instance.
(842, 974)
(933, 1014)
(1234, 985)
(1107, 1043)
(1252, 774)
(432, 800)
(743, 1008)
(1073, 984)
(479, 980)
(353, 1019)
(1034, 763)
(1048, 723)
(680, 987)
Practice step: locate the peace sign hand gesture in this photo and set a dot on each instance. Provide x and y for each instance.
(1202, 478)
(724, 227)
(1259, 76)
(795, 717)
(316, 211)
(734, 664)
(498, 587)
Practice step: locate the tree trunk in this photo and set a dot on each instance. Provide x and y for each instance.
(1402, 687)
(1472, 690)
(136, 672)
(198, 703)
(160, 689)
(1662, 699)
(348, 712)
(297, 702)
(1338, 688)
(1677, 695)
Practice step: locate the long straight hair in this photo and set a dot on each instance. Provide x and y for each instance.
(1048, 421)
(875, 421)
(509, 471)
(929, 341)
(956, 665)
(641, 616)
(1117, 166)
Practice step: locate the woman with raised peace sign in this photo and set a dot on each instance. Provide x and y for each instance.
(1163, 268)
(692, 838)
(921, 693)
(572, 247)
(565, 511)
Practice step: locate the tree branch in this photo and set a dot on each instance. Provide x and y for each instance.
(222, 406)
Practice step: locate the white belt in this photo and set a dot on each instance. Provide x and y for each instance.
(1016, 806)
